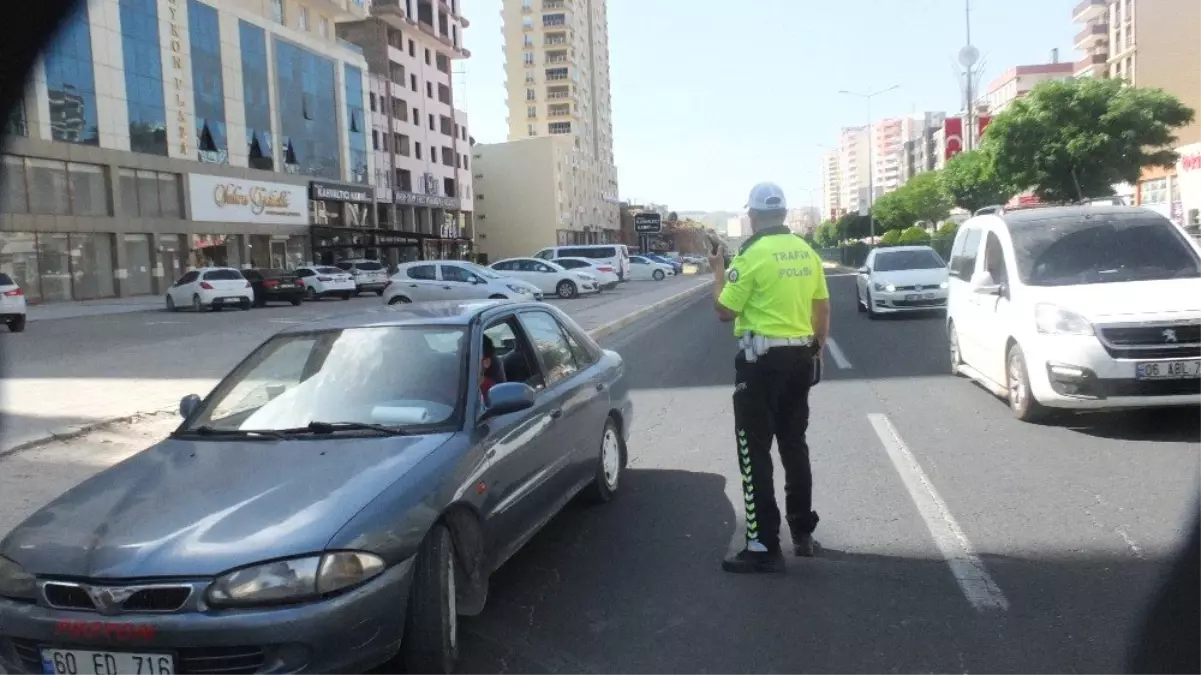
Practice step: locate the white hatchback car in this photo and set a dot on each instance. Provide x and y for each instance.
(902, 279)
(453, 280)
(324, 280)
(645, 269)
(549, 277)
(12, 304)
(604, 272)
(1079, 307)
(211, 288)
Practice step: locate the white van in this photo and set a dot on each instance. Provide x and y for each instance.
(1078, 307)
(617, 255)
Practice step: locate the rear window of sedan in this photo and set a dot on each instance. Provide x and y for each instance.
(223, 275)
(329, 270)
(398, 376)
(6, 280)
(369, 266)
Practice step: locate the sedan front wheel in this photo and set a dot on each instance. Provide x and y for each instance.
(431, 636)
(566, 290)
(609, 465)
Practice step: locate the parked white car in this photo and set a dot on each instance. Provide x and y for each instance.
(12, 304)
(603, 271)
(902, 279)
(325, 280)
(1081, 307)
(454, 280)
(645, 269)
(616, 255)
(211, 288)
(548, 277)
(370, 276)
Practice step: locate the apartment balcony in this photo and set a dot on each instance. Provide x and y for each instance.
(1091, 33)
(557, 93)
(345, 10)
(553, 4)
(558, 111)
(1091, 65)
(1089, 10)
(555, 39)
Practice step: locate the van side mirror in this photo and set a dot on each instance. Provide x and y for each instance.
(984, 284)
(864, 270)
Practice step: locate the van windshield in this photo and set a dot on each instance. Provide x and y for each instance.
(1101, 248)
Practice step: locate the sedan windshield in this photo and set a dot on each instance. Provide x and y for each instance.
(1102, 248)
(919, 259)
(397, 376)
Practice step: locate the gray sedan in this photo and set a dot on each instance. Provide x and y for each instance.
(335, 503)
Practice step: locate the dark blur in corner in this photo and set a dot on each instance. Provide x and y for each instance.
(1170, 638)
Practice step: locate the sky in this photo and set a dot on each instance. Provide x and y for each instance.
(713, 96)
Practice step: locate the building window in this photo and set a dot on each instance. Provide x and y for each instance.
(59, 267)
(70, 82)
(412, 48)
(413, 82)
(277, 12)
(308, 111)
(371, 98)
(1154, 191)
(260, 142)
(149, 194)
(323, 26)
(531, 130)
(433, 127)
(207, 83)
(560, 127)
(553, 74)
(531, 95)
(429, 89)
(531, 111)
(528, 57)
(16, 123)
(427, 57)
(417, 150)
(303, 18)
(375, 139)
(402, 145)
(356, 126)
(416, 117)
(444, 94)
(554, 19)
(527, 23)
(448, 158)
(143, 77)
(49, 187)
(404, 180)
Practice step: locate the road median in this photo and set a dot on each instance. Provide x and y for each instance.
(65, 398)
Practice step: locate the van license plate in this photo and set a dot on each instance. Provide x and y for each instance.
(1168, 370)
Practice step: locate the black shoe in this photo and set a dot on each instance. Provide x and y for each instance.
(754, 562)
(803, 545)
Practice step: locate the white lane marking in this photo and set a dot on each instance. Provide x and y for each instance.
(840, 359)
(967, 567)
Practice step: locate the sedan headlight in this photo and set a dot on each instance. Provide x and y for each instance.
(15, 582)
(518, 289)
(944, 285)
(295, 580)
(884, 288)
(1052, 320)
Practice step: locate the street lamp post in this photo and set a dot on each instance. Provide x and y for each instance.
(871, 164)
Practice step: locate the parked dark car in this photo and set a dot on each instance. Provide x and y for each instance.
(676, 265)
(334, 505)
(271, 285)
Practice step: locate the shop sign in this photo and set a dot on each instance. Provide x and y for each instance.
(340, 214)
(234, 200)
(414, 199)
(335, 192)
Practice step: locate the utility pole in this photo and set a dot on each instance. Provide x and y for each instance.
(968, 58)
(871, 164)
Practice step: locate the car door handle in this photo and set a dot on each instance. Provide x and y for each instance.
(556, 414)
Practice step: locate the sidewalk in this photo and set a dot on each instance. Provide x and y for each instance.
(73, 310)
(86, 388)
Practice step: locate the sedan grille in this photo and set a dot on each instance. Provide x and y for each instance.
(116, 599)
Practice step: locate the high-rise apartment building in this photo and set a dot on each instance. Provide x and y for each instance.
(916, 154)
(1093, 38)
(557, 66)
(887, 142)
(831, 187)
(854, 168)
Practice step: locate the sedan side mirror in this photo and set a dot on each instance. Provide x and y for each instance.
(188, 405)
(864, 270)
(508, 397)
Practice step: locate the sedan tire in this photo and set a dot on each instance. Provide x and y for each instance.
(610, 462)
(196, 304)
(399, 300)
(296, 301)
(431, 636)
(311, 294)
(566, 290)
(247, 304)
(17, 324)
(171, 304)
(859, 306)
(658, 275)
(871, 307)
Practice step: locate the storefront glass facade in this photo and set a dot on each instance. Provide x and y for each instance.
(51, 187)
(143, 77)
(257, 96)
(307, 97)
(70, 82)
(55, 266)
(356, 125)
(212, 142)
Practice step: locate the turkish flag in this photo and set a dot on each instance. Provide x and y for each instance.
(982, 124)
(953, 130)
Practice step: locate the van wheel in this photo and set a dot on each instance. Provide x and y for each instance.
(658, 275)
(431, 636)
(1021, 400)
(566, 290)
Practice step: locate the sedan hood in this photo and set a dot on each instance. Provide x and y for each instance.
(1127, 301)
(932, 277)
(198, 508)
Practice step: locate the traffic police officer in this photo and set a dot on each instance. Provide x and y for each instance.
(775, 293)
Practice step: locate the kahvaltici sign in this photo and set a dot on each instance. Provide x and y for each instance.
(335, 192)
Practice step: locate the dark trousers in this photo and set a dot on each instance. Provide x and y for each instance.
(771, 399)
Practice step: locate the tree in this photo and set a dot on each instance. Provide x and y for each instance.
(854, 226)
(914, 236)
(971, 180)
(891, 238)
(926, 197)
(1073, 139)
(893, 211)
(826, 234)
(948, 230)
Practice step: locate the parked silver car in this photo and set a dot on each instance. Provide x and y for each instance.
(436, 280)
(336, 502)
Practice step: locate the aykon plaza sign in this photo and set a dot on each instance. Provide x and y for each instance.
(217, 199)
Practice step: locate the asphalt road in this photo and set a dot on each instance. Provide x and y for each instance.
(1057, 533)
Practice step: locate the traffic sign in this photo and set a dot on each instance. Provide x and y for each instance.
(648, 223)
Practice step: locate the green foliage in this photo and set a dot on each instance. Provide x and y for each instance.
(854, 226)
(914, 236)
(826, 234)
(891, 238)
(947, 230)
(921, 198)
(1075, 138)
(970, 179)
(892, 210)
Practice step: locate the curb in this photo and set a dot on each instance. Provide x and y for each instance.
(614, 326)
(597, 333)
